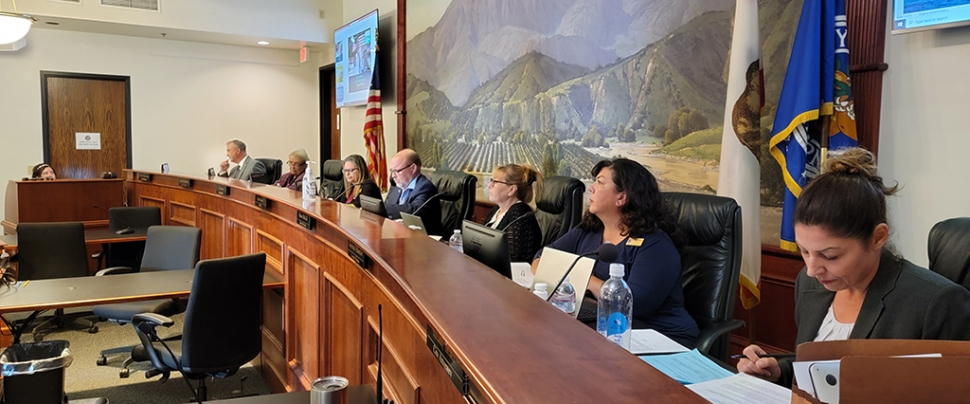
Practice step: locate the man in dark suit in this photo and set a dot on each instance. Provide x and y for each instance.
(246, 167)
(413, 191)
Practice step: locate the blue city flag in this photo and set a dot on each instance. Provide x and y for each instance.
(816, 97)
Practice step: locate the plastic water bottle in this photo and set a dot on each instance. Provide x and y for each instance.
(614, 312)
(309, 183)
(455, 241)
(565, 297)
(541, 289)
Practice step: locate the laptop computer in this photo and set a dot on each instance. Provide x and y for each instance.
(373, 205)
(553, 266)
(413, 222)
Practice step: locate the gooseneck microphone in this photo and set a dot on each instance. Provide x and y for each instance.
(432, 198)
(606, 252)
(126, 230)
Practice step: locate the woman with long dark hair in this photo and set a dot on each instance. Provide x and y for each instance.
(626, 209)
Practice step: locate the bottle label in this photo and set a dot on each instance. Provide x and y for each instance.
(616, 324)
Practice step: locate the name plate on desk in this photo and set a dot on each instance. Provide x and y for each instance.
(144, 177)
(185, 182)
(261, 202)
(358, 256)
(305, 220)
(224, 190)
(452, 368)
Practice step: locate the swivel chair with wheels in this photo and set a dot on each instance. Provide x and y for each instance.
(129, 253)
(222, 329)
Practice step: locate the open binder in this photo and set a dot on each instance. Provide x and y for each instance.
(869, 372)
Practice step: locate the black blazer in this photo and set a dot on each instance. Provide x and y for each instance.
(367, 187)
(522, 229)
(904, 301)
(423, 190)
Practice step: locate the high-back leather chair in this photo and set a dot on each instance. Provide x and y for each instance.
(52, 251)
(949, 249)
(456, 194)
(560, 207)
(166, 248)
(129, 253)
(274, 170)
(710, 265)
(332, 179)
(221, 331)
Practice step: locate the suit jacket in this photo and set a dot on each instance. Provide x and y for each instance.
(249, 168)
(423, 190)
(525, 236)
(291, 181)
(904, 301)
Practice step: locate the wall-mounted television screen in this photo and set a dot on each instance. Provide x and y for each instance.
(354, 46)
(921, 15)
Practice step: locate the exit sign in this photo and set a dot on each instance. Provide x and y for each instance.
(304, 54)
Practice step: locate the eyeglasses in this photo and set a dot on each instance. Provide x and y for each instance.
(291, 164)
(349, 170)
(398, 171)
(492, 181)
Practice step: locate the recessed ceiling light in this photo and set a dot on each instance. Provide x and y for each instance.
(262, 43)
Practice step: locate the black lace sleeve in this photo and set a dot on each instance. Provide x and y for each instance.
(522, 229)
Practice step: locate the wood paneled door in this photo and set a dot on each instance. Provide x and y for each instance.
(86, 106)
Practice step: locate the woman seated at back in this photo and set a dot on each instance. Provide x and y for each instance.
(293, 179)
(852, 285)
(357, 181)
(626, 209)
(43, 171)
(512, 188)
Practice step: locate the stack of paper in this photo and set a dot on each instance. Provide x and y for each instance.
(687, 367)
(652, 342)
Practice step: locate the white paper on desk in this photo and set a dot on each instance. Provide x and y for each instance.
(649, 341)
(687, 367)
(522, 274)
(742, 389)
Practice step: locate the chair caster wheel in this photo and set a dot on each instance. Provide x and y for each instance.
(124, 373)
(102, 361)
(93, 330)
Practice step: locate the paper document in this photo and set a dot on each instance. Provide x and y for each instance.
(742, 389)
(522, 274)
(687, 367)
(652, 342)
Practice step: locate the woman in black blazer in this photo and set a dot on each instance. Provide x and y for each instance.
(357, 181)
(852, 285)
(512, 188)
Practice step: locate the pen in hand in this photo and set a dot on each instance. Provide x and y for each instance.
(776, 356)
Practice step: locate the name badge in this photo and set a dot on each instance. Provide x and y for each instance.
(634, 242)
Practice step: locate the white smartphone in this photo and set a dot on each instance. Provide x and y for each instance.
(825, 379)
(164, 168)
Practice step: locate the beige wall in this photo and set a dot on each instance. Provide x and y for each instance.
(187, 99)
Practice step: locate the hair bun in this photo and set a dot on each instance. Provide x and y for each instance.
(853, 161)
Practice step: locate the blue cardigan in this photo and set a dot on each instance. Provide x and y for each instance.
(653, 273)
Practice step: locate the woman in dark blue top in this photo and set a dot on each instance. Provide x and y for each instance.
(626, 209)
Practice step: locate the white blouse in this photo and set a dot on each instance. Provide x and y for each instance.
(832, 329)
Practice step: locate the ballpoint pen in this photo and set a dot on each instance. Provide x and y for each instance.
(777, 356)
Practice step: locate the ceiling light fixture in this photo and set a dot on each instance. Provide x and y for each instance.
(13, 25)
(264, 43)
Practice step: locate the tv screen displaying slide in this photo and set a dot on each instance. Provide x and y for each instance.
(920, 15)
(354, 46)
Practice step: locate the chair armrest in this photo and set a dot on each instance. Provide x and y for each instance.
(114, 271)
(97, 254)
(711, 334)
(152, 319)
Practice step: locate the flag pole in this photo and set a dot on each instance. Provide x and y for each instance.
(824, 154)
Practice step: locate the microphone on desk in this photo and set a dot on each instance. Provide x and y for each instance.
(606, 253)
(126, 230)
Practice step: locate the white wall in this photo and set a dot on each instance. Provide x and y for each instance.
(352, 119)
(925, 139)
(187, 99)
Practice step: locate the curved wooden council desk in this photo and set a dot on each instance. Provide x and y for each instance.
(508, 345)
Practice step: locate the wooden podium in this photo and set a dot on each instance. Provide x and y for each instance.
(61, 201)
(869, 372)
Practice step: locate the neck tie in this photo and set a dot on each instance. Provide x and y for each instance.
(234, 173)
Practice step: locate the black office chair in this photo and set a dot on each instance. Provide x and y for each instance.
(166, 248)
(222, 322)
(560, 207)
(456, 195)
(274, 170)
(332, 179)
(949, 249)
(52, 251)
(711, 265)
(127, 254)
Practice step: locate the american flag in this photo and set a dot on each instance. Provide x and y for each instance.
(374, 130)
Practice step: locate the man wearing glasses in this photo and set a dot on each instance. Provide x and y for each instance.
(413, 191)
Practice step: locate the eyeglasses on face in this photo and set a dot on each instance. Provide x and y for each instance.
(398, 171)
(493, 180)
(294, 163)
(349, 170)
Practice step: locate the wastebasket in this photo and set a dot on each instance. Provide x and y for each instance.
(34, 373)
